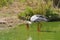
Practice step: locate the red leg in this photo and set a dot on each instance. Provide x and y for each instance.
(27, 26)
(38, 28)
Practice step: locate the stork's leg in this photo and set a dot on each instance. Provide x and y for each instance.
(28, 35)
(27, 26)
(38, 28)
(40, 25)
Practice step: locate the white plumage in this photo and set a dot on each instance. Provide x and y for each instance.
(33, 18)
(37, 18)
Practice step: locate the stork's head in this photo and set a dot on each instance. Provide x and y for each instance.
(28, 22)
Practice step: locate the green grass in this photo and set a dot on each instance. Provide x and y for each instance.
(5, 2)
(21, 33)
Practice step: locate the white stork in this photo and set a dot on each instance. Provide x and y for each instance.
(36, 18)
